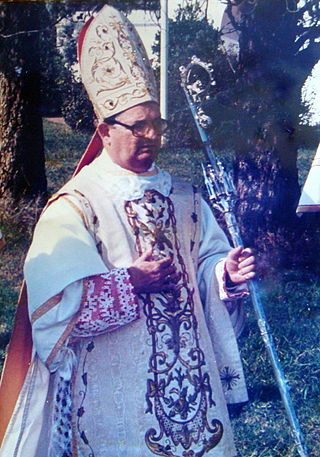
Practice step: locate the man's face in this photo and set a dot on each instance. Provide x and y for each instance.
(131, 152)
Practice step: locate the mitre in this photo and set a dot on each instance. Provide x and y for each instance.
(114, 65)
(115, 70)
(310, 197)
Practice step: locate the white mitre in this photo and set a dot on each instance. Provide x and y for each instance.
(114, 66)
(310, 197)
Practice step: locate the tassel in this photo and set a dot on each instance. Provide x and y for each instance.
(61, 430)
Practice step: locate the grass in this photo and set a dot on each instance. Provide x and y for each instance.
(291, 301)
(61, 155)
(292, 306)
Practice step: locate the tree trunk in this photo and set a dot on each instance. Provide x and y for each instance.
(22, 161)
(268, 99)
(268, 196)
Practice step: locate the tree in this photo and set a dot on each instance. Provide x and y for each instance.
(278, 47)
(25, 70)
(190, 34)
(22, 153)
(255, 107)
(51, 68)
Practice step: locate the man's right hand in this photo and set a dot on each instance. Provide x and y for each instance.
(149, 275)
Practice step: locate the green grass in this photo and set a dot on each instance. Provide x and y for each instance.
(63, 149)
(292, 305)
(291, 300)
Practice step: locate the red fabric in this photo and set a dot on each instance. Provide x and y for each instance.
(81, 36)
(93, 149)
(95, 145)
(108, 303)
(17, 362)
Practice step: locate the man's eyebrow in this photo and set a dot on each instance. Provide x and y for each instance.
(130, 122)
(149, 120)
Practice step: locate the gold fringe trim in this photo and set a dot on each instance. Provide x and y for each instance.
(76, 208)
(45, 307)
(68, 329)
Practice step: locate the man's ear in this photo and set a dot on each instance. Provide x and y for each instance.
(103, 130)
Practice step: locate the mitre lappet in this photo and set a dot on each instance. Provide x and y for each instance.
(114, 68)
(310, 197)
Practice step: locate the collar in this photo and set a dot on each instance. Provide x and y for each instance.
(128, 184)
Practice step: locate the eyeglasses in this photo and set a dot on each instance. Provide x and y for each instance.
(141, 128)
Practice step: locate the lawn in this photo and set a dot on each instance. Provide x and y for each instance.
(291, 300)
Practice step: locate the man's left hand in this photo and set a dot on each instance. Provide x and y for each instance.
(240, 265)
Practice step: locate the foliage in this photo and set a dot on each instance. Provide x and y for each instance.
(256, 109)
(278, 48)
(76, 107)
(191, 32)
(62, 157)
(51, 94)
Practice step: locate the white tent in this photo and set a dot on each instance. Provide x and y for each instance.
(310, 197)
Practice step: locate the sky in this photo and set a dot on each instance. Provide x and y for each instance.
(147, 26)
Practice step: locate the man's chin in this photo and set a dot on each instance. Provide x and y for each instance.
(144, 163)
(146, 158)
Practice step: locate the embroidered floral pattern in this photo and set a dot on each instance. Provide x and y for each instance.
(178, 391)
(229, 378)
(115, 68)
(108, 303)
(83, 393)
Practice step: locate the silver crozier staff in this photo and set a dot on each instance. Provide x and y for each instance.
(196, 79)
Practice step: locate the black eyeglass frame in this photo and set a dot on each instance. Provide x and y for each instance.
(164, 126)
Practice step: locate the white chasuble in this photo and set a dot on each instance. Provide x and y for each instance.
(153, 388)
(158, 385)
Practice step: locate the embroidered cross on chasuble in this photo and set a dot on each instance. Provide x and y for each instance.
(179, 391)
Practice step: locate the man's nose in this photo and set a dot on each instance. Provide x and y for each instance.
(151, 132)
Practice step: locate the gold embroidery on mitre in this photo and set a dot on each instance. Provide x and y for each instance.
(114, 65)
